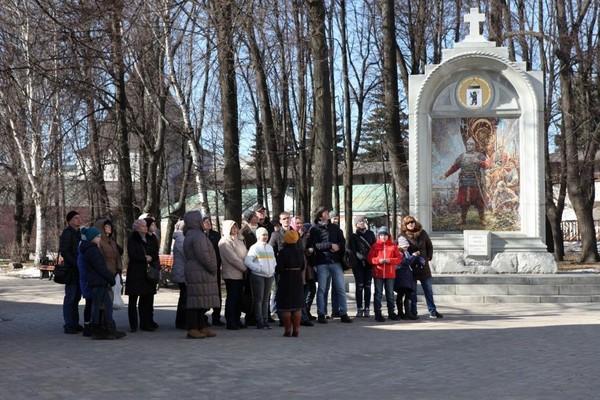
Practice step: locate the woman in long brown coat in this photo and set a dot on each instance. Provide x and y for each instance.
(290, 289)
(200, 276)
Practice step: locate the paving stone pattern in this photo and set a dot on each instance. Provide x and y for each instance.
(477, 351)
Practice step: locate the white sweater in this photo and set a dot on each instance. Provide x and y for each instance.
(261, 259)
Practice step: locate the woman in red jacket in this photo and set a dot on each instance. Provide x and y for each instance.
(384, 256)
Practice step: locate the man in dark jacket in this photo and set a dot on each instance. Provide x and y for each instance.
(360, 243)
(328, 242)
(69, 242)
(263, 220)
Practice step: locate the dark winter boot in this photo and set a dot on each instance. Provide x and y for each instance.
(98, 332)
(399, 306)
(112, 328)
(287, 324)
(407, 312)
(87, 329)
(108, 331)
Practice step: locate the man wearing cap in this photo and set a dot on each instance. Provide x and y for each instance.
(471, 185)
(263, 220)
(69, 242)
(328, 241)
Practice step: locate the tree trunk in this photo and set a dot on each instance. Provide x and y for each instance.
(232, 177)
(126, 196)
(348, 156)
(390, 84)
(554, 210)
(334, 119)
(304, 146)
(580, 164)
(322, 135)
(268, 132)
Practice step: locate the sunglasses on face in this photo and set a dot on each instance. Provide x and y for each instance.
(410, 222)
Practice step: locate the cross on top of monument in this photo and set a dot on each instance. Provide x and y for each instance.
(474, 18)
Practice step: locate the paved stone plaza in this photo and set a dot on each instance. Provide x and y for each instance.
(483, 351)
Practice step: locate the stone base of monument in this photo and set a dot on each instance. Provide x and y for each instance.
(509, 288)
(456, 262)
(521, 288)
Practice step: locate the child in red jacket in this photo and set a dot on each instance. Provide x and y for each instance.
(384, 256)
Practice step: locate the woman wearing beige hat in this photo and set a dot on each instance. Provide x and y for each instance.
(233, 250)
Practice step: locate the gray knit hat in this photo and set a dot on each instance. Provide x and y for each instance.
(356, 220)
(383, 231)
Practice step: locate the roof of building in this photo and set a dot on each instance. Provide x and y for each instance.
(368, 199)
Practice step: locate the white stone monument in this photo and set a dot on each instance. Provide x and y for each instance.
(476, 159)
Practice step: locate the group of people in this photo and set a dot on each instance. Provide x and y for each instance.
(394, 267)
(267, 269)
(94, 261)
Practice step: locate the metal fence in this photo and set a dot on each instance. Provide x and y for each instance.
(570, 230)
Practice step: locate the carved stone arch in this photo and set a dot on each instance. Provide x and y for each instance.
(529, 110)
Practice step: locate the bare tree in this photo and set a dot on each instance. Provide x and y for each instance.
(117, 72)
(357, 61)
(394, 138)
(578, 29)
(223, 20)
(269, 135)
(299, 91)
(30, 102)
(323, 137)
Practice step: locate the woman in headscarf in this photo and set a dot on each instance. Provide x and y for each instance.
(200, 276)
(233, 250)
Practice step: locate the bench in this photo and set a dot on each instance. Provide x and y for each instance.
(166, 265)
(46, 271)
(47, 266)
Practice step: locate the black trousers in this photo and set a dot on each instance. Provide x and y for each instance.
(145, 308)
(180, 317)
(195, 318)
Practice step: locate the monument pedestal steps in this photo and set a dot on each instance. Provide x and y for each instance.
(510, 288)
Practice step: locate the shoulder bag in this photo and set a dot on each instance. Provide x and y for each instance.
(62, 273)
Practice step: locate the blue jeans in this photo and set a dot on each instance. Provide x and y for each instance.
(389, 294)
(428, 292)
(336, 272)
(334, 301)
(362, 281)
(261, 289)
(101, 296)
(71, 305)
(310, 291)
